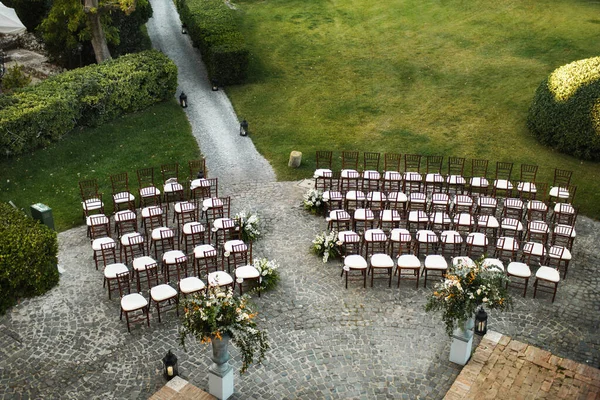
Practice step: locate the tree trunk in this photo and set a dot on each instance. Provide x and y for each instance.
(98, 39)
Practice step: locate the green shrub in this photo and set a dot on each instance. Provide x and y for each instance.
(28, 257)
(212, 27)
(565, 112)
(38, 115)
(15, 78)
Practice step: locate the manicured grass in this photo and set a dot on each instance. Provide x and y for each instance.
(159, 135)
(452, 78)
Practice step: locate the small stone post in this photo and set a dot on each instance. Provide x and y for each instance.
(295, 159)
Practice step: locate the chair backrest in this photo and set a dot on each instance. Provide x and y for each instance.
(209, 261)
(166, 235)
(349, 159)
(456, 165)
(378, 237)
(392, 161)
(412, 163)
(324, 159)
(432, 237)
(504, 170)
(541, 191)
(528, 172)
(342, 215)
(434, 164)
(88, 189)
(197, 169)
(108, 253)
(228, 224)
(197, 229)
(510, 224)
(152, 275)
(145, 177)
(136, 246)
(99, 226)
(214, 187)
(120, 182)
(123, 281)
(562, 234)
(479, 167)
(169, 171)
(371, 161)
(155, 217)
(562, 177)
(187, 207)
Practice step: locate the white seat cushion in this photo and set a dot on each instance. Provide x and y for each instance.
(371, 175)
(573, 233)
(97, 243)
(170, 256)
(463, 200)
(332, 195)
(347, 173)
(390, 216)
(509, 243)
(133, 236)
(561, 193)
(133, 301)
(228, 245)
(381, 261)
(322, 172)
(246, 272)
(417, 197)
(435, 261)
(451, 237)
(506, 224)
(98, 219)
(397, 233)
(187, 228)
(152, 210)
(397, 197)
(342, 214)
(92, 204)
(408, 261)
(518, 269)
(440, 218)
(111, 270)
(566, 254)
(412, 177)
(156, 233)
(348, 236)
(376, 196)
(455, 180)
(488, 221)
(478, 181)
(487, 202)
(191, 284)
(141, 263)
(477, 239)
(162, 292)
(125, 215)
(355, 261)
(463, 260)
(418, 216)
(179, 206)
(538, 227)
(370, 232)
(392, 176)
(219, 278)
(493, 263)
(149, 191)
(534, 248)
(364, 214)
(200, 251)
(548, 274)
(198, 183)
(564, 208)
(502, 184)
(123, 197)
(537, 205)
(355, 195)
(423, 235)
(172, 187)
(219, 223)
(434, 178)
(464, 219)
(527, 187)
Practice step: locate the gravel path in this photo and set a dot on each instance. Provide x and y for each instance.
(229, 156)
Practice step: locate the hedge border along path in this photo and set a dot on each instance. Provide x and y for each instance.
(229, 156)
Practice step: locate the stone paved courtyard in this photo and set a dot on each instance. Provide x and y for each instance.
(327, 342)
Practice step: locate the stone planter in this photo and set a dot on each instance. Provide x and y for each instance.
(462, 343)
(220, 373)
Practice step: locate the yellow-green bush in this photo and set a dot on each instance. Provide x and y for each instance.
(38, 115)
(28, 257)
(565, 113)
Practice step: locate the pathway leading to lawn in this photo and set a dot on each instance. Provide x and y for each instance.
(229, 156)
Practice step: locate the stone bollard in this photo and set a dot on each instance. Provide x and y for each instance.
(295, 159)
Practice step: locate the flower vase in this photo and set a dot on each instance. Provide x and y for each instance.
(220, 373)
(462, 342)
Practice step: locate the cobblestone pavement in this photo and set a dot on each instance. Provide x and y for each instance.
(327, 342)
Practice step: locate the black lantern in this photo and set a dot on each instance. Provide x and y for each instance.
(183, 29)
(215, 85)
(244, 128)
(481, 322)
(170, 364)
(183, 100)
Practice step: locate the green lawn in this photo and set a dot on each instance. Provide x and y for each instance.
(453, 78)
(159, 135)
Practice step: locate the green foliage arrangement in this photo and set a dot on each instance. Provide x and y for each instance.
(214, 313)
(467, 286)
(212, 27)
(14, 78)
(28, 260)
(565, 112)
(248, 224)
(38, 115)
(269, 273)
(326, 245)
(313, 201)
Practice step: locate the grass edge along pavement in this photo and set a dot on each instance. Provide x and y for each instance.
(451, 79)
(158, 135)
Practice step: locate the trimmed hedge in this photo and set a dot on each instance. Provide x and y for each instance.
(41, 114)
(28, 257)
(212, 27)
(565, 112)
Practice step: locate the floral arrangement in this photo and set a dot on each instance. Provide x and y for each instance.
(215, 313)
(326, 245)
(269, 273)
(313, 201)
(466, 287)
(248, 224)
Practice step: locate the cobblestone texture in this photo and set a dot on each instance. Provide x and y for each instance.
(327, 341)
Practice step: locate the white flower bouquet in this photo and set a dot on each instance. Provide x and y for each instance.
(313, 201)
(248, 224)
(326, 245)
(269, 273)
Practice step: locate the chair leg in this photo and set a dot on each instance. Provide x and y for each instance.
(364, 272)
(127, 319)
